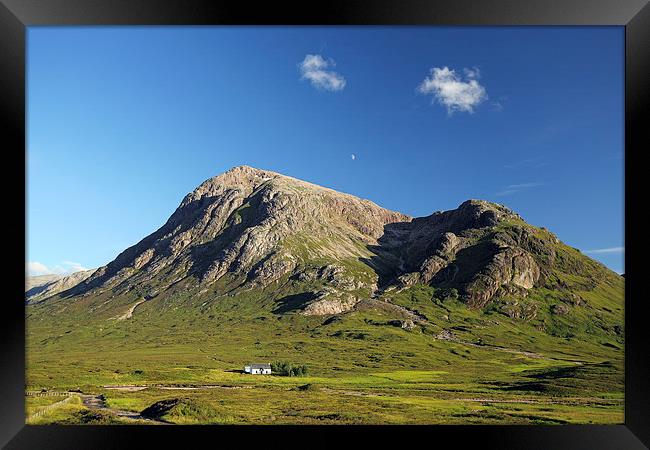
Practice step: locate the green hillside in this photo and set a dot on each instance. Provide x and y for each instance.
(185, 340)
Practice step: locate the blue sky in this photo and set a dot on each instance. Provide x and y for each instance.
(123, 122)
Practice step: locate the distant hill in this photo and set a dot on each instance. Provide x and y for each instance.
(43, 286)
(40, 280)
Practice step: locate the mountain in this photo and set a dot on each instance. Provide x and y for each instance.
(399, 319)
(40, 280)
(42, 286)
(250, 228)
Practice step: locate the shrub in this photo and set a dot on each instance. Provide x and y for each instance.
(182, 410)
(288, 369)
(445, 295)
(452, 295)
(88, 417)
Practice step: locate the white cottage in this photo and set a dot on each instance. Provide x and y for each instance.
(258, 369)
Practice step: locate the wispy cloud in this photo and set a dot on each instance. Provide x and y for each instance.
(452, 91)
(514, 188)
(525, 185)
(35, 268)
(534, 162)
(606, 250)
(315, 69)
(544, 134)
(498, 105)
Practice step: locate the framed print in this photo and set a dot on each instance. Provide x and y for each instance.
(361, 221)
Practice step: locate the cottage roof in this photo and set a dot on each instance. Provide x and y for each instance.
(261, 366)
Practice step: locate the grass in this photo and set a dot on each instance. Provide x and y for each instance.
(541, 368)
(58, 414)
(34, 404)
(383, 397)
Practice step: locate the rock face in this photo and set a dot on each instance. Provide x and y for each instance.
(327, 304)
(465, 249)
(44, 286)
(511, 266)
(251, 228)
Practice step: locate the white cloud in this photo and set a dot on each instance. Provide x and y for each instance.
(472, 73)
(451, 91)
(35, 268)
(314, 68)
(607, 250)
(73, 266)
(353, 156)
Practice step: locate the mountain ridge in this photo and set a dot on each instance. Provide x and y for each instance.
(250, 227)
(40, 287)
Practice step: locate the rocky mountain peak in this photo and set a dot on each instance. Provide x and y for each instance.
(243, 178)
(250, 223)
(250, 228)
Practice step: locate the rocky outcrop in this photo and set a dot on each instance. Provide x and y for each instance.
(443, 253)
(510, 266)
(464, 249)
(446, 335)
(329, 303)
(334, 276)
(560, 309)
(407, 325)
(444, 233)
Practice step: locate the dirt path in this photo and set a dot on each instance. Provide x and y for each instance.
(451, 338)
(498, 348)
(97, 403)
(125, 387)
(170, 387)
(129, 313)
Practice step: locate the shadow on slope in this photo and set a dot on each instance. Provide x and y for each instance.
(294, 302)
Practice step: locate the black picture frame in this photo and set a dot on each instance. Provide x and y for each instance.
(16, 15)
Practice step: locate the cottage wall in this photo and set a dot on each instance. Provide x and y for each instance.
(257, 370)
